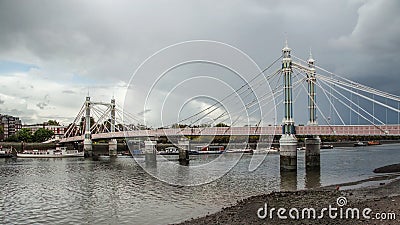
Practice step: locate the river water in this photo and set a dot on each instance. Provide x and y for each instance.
(119, 191)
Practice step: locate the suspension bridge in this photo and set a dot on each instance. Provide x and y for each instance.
(343, 107)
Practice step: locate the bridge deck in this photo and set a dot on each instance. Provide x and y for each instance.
(358, 130)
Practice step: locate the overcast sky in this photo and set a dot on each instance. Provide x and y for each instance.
(53, 52)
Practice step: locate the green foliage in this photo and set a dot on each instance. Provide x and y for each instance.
(1, 129)
(221, 125)
(177, 125)
(24, 135)
(42, 135)
(12, 138)
(53, 123)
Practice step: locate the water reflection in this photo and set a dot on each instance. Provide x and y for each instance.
(182, 174)
(313, 178)
(288, 180)
(150, 160)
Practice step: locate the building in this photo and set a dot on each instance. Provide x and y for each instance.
(10, 125)
(58, 130)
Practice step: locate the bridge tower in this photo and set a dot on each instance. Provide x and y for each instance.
(288, 141)
(112, 144)
(87, 142)
(313, 144)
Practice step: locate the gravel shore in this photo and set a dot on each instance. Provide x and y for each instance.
(383, 200)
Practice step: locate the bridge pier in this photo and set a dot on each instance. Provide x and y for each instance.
(87, 142)
(313, 146)
(288, 153)
(87, 147)
(183, 148)
(112, 147)
(150, 152)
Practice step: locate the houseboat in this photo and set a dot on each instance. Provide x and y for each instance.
(59, 152)
(209, 149)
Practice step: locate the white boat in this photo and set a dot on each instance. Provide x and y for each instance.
(170, 151)
(59, 152)
(359, 143)
(238, 150)
(6, 153)
(208, 149)
(266, 150)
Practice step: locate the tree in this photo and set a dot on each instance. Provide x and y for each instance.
(12, 138)
(53, 123)
(1, 132)
(221, 125)
(24, 135)
(42, 135)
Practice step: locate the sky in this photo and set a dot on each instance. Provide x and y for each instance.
(53, 53)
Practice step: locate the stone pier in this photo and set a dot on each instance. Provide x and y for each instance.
(150, 151)
(183, 148)
(313, 146)
(112, 148)
(288, 153)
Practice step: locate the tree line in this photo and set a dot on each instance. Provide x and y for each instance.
(26, 135)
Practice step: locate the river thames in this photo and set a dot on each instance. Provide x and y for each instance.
(119, 191)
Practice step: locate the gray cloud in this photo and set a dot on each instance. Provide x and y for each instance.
(44, 103)
(99, 43)
(144, 112)
(41, 105)
(1, 102)
(69, 92)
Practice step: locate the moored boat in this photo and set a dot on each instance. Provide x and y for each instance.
(326, 146)
(6, 153)
(301, 148)
(169, 151)
(210, 149)
(271, 150)
(59, 152)
(374, 142)
(359, 144)
(236, 150)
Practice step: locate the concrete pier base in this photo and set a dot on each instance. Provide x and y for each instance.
(112, 148)
(313, 146)
(288, 152)
(87, 148)
(150, 152)
(183, 148)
